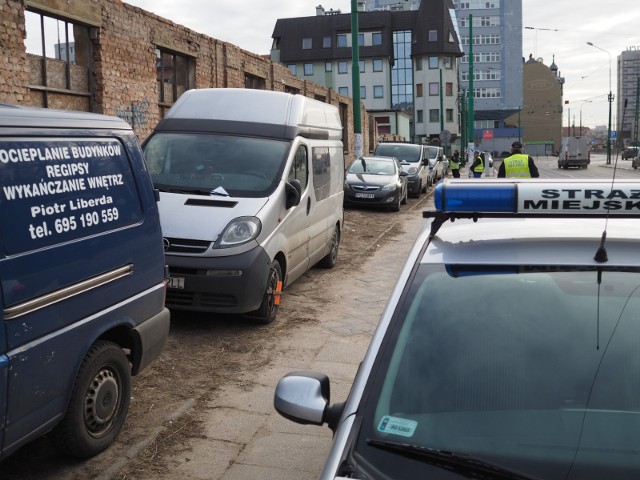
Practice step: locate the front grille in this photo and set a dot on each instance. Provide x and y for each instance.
(365, 188)
(183, 298)
(183, 245)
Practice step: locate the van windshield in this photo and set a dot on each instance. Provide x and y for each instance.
(215, 164)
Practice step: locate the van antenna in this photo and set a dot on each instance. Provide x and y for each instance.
(601, 253)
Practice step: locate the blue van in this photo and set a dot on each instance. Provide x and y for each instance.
(82, 277)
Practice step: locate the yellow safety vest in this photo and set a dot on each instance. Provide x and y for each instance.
(517, 166)
(454, 163)
(480, 166)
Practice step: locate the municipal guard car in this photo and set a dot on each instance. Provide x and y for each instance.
(509, 345)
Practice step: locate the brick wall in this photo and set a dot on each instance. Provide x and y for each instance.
(122, 76)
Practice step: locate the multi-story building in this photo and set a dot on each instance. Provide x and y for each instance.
(496, 28)
(628, 87)
(407, 63)
(540, 120)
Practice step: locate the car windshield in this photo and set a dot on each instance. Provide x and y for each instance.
(409, 152)
(215, 164)
(373, 167)
(433, 153)
(537, 371)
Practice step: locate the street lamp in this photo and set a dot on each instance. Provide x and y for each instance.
(610, 103)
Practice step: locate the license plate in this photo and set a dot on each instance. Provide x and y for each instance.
(364, 195)
(176, 282)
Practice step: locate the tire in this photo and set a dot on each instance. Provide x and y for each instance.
(424, 188)
(406, 196)
(99, 403)
(331, 258)
(268, 309)
(396, 206)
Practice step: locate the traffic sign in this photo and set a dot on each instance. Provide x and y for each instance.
(613, 135)
(487, 134)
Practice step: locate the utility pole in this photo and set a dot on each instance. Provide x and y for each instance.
(355, 80)
(471, 131)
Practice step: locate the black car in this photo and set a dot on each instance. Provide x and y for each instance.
(376, 181)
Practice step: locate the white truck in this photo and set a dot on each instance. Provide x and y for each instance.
(575, 152)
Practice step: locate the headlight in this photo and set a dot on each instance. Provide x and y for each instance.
(240, 230)
(412, 170)
(391, 186)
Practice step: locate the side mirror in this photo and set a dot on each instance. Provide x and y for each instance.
(403, 173)
(293, 191)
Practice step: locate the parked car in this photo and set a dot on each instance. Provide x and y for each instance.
(376, 181)
(531, 371)
(414, 159)
(630, 152)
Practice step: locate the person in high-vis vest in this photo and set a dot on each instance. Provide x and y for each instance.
(518, 165)
(454, 164)
(477, 167)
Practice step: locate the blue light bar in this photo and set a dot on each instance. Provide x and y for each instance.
(535, 197)
(475, 197)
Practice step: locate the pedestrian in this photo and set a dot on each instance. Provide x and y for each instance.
(477, 167)
(518, 165)
(454, 164)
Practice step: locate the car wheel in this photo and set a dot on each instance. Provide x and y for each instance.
(635, 167)
(405, 197)
(425, 187)
(99, 402)
(330, 259)
(268, 309)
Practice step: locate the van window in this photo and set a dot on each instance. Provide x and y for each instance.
(299, 169)
(201, 163)
(323, 171)
(83, 187)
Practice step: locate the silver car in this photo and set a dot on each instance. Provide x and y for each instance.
(508, 348)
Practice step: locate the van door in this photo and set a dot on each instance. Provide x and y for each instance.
(296, 226)
(4, 371)
(326, 204)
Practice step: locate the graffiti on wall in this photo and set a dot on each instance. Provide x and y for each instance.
(136, 114)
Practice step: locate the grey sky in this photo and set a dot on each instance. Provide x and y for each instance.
(560, 28)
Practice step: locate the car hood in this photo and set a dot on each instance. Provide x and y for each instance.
(370, 179)
(199, 217)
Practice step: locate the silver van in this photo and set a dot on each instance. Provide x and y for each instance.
(251, 188)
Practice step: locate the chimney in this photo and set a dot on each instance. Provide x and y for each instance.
(319, 11)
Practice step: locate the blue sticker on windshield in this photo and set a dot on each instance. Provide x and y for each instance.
(397, 426)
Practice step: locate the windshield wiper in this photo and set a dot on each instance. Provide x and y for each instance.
(197, 191)
(461, 464)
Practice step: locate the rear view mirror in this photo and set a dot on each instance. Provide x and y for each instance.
(293, 191)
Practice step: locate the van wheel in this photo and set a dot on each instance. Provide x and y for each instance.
(268, 309)
(331, 258)
(99, 403)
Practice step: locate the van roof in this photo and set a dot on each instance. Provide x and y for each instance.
(258, 112)
(18, 116)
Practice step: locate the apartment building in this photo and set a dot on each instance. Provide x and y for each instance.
(408, 66)
(628, 117)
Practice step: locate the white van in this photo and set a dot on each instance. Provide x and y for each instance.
(251, 191)
(574, 152)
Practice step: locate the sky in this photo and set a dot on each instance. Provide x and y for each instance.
(557, 28)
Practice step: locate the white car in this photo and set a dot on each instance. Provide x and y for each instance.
(508, 348)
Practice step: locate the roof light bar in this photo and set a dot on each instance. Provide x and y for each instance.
(477, 198)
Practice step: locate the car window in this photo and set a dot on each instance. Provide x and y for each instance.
(538, 365)
(408, 152)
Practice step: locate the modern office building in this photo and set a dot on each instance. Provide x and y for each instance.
(407, 63)
(628, 90)
(496, 27)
